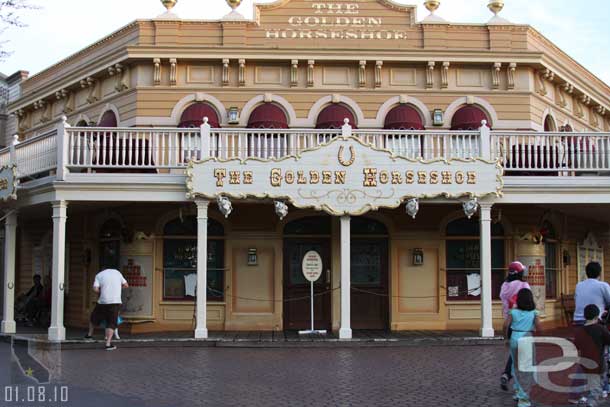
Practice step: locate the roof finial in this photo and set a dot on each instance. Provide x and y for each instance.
(233, 3)
(432, 6)
(169, 4)
(495, 6)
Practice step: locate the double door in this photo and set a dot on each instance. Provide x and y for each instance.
(297, 312)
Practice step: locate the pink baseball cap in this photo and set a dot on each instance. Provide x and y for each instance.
(516, 267)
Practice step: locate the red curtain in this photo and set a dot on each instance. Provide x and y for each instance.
(194, 114)
(332, 116)
(268, 116)
(468, 118)
(403, 117)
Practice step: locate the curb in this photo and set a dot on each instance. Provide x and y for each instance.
(78, 344)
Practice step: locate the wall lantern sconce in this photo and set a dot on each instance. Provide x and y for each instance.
(233, 115)
(252, 257)
(437, 117)
(566, 258)
(418, 257)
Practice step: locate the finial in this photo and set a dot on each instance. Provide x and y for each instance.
(16, 139)
(432, 5)
(205, 120)
(346, 121)
(233, 3)
(169, 4)
(495, 6)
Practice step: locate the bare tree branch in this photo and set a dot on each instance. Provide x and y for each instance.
(10, 16)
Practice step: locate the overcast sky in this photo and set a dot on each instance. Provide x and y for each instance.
(62, 27)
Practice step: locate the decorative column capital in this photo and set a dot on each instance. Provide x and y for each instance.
(202, 207)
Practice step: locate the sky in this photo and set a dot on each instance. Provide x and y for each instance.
(62, 27)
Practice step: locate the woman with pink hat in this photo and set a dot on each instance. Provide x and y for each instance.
(508, 294)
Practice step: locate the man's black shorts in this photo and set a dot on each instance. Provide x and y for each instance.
(106, 312)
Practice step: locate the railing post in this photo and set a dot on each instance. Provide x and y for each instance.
(346, 129)
(11, 150)
(205, 139)
(62, 148)
(485, 141)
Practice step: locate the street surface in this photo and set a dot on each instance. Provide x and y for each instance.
(384, 376)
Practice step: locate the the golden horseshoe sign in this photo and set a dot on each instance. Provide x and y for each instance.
(342, 160)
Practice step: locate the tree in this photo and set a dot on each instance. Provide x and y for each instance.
(10, 16)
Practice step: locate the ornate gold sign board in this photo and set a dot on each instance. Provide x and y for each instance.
(8, 182)
(344, 176)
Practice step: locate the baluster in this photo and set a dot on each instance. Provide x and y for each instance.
(74, 154)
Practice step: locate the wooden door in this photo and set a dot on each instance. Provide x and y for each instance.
(297, 314)
(369, 280)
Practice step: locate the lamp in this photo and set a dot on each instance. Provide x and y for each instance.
(252, 258)
(418, 257)
(233, 115)
(437, 117)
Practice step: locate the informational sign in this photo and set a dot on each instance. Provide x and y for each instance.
(344, 177)
(138, 298)
(589, 250)
(8, 182)
(312, 265)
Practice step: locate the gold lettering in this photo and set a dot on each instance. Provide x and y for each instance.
(421, 177)
(472, 177)
(220, 174)
(289, 177)
(234, 177)
(327, 177)
(248, 177)
(301, 178)
(410, 177)
(314, 177)
(384, 177)
(434, 177)
(459, 177)
(339, 177)
(446, 177)
(396, 178)
(276, 177)
(370, 177)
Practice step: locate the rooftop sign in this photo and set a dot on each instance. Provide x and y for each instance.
(344, 176)
(337, 20)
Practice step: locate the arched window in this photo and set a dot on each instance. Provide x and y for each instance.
(333, 116)
(468, 118)
(82, 123)
(551, 259)
(549, 123)
(567, 129)
(268, 116)
(463, 262)
(193, 115)
(108, 119)
(404, 117)
(180, 259)
(110, 244)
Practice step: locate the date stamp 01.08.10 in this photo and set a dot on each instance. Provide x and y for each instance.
(34, 396)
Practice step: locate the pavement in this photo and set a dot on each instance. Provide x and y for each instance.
(420, 376)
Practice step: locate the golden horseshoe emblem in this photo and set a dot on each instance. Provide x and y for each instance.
(342, 160)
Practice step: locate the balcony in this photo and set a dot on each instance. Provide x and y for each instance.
(168, 150)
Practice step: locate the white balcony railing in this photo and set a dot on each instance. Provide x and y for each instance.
(533, 152)
(82, 149)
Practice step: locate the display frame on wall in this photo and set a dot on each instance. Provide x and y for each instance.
(587, 251)
(141, 252)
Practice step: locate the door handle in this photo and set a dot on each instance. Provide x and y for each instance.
(327, 276)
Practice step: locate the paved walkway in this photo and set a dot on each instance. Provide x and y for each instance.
(418, 376)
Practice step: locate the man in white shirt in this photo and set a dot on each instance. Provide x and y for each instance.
(108, 284)
(591, 291)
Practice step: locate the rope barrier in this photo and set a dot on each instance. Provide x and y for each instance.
(318, 294)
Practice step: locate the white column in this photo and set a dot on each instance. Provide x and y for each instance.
(10, 239)
(487, 329)
(57, 331)
(201, 329)
(345, 331)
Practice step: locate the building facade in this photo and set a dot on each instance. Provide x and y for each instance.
(204, 159)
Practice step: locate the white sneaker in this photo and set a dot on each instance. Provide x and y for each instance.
(604, 394)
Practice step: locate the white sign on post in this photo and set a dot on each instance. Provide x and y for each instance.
(312, 266)
(312, 269)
